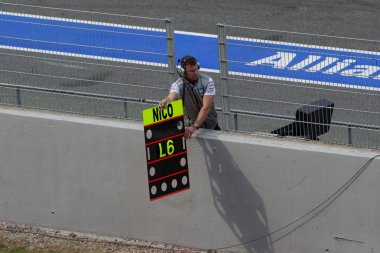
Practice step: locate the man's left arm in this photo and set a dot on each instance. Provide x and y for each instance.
(202, 115)
(205, 110)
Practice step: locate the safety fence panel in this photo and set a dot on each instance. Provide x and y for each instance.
(271, 82)
(83, 62)
(304, 85)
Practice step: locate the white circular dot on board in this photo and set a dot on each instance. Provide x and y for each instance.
(179, 125)
(164, 186)
(152, 171)
(149, 134)
(184, 180)
(174, 183)
(153, 190)
(183, 161)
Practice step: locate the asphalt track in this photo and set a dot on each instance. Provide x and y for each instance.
(357, 19)
(352, 18)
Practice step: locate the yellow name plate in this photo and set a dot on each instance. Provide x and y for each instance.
(157, 114)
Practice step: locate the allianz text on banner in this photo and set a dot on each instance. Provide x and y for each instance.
(295, 62)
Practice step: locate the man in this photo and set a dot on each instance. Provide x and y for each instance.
(197, 92)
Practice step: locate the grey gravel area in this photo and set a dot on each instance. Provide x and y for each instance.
(59, 241)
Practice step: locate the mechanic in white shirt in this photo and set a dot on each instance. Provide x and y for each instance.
(197, 92)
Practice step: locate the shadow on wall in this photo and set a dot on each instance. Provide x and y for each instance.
(235, 198)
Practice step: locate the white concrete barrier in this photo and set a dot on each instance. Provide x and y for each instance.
(261, 194)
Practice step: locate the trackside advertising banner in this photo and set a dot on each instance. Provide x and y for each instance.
(296, 62)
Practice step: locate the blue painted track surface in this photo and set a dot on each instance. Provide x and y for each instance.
(149, 46)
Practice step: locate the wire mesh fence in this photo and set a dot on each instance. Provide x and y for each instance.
(297, 84)
(271, 82)
(70, 54)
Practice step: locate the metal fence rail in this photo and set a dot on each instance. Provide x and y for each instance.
(269, 82)
(63, 50)
(270, 77)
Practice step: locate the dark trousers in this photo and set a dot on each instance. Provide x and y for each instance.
(217, 127)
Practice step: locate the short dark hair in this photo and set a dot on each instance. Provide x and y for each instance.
(188, 60)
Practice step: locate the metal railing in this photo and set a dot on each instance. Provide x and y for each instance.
(273, 80)
(51, 54)
(268, 82)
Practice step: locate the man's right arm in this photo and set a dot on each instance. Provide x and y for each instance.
(173, 95)
(170, 98)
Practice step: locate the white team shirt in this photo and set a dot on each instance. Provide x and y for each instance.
(210, 90)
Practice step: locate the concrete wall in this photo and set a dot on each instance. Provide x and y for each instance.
(89, 175)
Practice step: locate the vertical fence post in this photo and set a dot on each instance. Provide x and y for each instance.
(18, 97)
(236, 121)
(349, 135)
(125, 103)
(169, 26)
(222, 46)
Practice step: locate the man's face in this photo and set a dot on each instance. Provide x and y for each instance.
(192, 72)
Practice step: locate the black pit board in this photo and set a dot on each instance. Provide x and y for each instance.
(166, 152)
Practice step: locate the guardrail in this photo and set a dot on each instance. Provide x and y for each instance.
(130, 107)
(299, 84)
(259, 89)
(100, 53)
